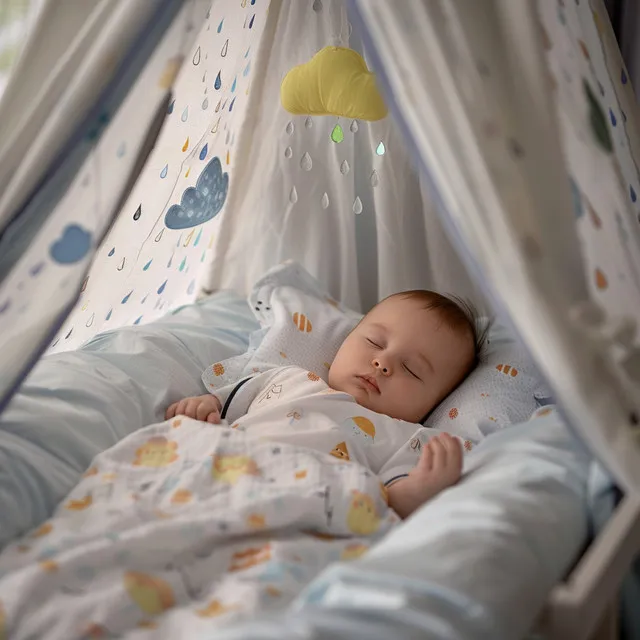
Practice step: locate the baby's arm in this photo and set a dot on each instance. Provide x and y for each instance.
(206, 408)
(439, 467)
(231, 397)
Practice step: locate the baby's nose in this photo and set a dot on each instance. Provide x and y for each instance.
(382, 367)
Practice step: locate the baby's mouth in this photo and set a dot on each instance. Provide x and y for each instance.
(370, 383)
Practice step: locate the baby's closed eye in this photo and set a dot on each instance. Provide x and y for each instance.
(411, 372)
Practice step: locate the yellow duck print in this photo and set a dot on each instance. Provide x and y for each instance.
(230, 469)
(156, 452)
(152, 595)
(362, 518)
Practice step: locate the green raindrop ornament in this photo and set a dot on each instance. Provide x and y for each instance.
(337, 135)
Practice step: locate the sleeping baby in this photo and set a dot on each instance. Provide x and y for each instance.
(182, 525)
(402, 359)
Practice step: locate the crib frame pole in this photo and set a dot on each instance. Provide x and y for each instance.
(575, 608)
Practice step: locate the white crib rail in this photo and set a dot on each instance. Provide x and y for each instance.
(575, 608)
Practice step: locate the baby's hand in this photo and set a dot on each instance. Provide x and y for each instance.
(206, 408)
(439, 467)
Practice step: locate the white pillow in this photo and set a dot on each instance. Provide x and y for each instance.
(303, 326)
(501, 391)
(300, 324)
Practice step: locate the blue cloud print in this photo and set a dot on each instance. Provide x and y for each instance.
(202, 202)
(72, 246)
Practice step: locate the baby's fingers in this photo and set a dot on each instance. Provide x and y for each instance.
(453, 447)
(426, 457)
(191, 409)
(203, 410)
(171, 411)
(439, 452)
(181, 408)
(214, 417)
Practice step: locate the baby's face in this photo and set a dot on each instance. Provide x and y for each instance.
(401, 360)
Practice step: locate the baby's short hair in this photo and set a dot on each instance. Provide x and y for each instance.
(458, 314)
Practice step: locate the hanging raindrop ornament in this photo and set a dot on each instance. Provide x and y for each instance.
(288, 153)
(337, 134)
(344, 168)
(324, 203)
(305, 162)
(354, 126)
(290, 128)
(357, 206)
(380, 149)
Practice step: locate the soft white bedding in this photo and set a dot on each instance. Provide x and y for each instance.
(75, 405)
